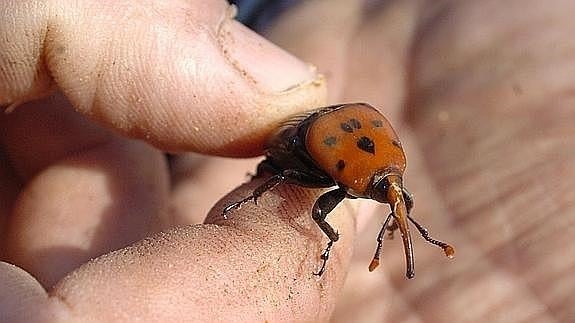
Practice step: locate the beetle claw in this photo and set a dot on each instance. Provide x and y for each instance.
(235, 206)
(324, 257)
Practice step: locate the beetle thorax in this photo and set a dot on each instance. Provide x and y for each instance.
(353, 145)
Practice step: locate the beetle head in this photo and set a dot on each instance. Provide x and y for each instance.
(382, 183)
(389, 189)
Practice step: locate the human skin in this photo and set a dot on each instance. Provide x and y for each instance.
(479, 91)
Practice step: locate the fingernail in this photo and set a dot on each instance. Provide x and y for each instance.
(271, 68)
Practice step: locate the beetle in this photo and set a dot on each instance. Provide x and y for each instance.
(353, 148)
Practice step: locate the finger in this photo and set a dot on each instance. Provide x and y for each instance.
(326, 45)
(257, 265)
(9, 186)
(19, 293)
(198, 182)
(170, 72)
(82, 191)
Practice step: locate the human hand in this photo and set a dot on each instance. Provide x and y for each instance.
(480, 93)
(179, 75)
(448, 172)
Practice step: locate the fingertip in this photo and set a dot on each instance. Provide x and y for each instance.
(283, 217)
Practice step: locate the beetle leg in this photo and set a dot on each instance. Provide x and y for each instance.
(447, 248)
(288, 175)
(235, 205)
(375, 261)
(325, 204)
(266, 186)
(324, 257)
(264, 167)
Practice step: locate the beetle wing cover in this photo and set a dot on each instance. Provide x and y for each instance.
(353, 143)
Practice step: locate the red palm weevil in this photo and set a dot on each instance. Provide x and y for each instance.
(353, 148)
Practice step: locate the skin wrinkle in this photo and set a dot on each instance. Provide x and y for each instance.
(13, 100)
(503, 246)
(151, 126)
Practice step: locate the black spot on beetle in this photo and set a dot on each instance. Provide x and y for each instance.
(350, 125)
(354, 123)
(340, 165)
(377, 123)
(346, 127)
(366, 144)
(396, 143)
(330, 141)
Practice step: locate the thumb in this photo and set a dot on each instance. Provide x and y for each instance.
(180, 75)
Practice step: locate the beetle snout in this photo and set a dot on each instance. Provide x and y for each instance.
(381, 186)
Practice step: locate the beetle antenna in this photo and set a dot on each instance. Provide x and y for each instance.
(447, 248)
(375, 261)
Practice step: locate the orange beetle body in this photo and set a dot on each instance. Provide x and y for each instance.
(351, 147)
(353, 144)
